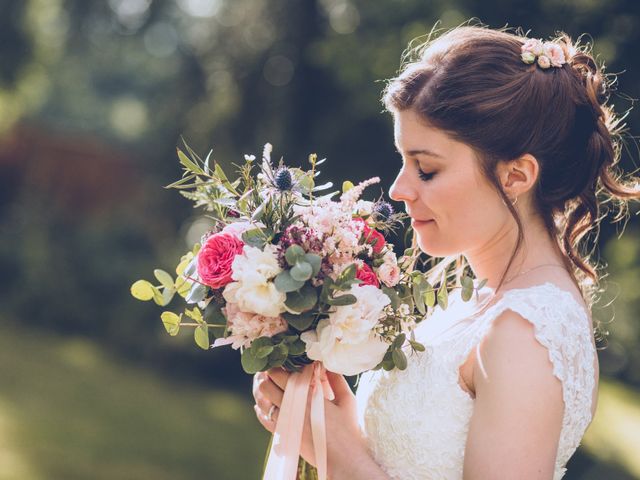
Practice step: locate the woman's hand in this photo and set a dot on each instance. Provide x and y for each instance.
(345, 440)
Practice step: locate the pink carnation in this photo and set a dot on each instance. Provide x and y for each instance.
(245, 327)
(216, 257)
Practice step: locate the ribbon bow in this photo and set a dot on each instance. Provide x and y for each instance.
(287, 437)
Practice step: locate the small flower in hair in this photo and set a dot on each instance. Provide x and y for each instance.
(548, 54)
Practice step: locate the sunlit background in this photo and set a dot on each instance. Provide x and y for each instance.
(94, 96)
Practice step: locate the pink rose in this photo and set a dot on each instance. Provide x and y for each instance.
(533, 45)
(367, 276)
(215, 259)
(555, 54)
(389, 274)
(544, 61)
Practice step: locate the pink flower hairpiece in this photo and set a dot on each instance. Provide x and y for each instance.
(548, 54)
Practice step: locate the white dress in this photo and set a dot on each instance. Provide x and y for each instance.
(416, 420)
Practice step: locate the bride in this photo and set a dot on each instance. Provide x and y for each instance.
(505, 143)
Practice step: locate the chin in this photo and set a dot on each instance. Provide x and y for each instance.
(433, 249)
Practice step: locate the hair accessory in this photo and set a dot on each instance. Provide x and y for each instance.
(548, 54)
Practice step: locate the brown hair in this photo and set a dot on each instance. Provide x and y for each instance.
(471, 83)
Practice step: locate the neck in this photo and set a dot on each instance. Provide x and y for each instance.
(490, 260)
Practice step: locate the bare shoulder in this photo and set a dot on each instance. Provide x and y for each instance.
(517, 419)
(510, 355)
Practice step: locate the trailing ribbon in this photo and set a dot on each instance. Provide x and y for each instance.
(287, 438)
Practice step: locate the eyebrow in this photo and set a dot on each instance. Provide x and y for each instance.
(422, 151)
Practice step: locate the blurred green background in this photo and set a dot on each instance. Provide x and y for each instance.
(93, 98)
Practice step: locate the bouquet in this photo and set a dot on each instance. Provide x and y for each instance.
(292, 278)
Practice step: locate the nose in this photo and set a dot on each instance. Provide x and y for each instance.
(401, 190)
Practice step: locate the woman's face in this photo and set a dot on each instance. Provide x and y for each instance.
(453, 208)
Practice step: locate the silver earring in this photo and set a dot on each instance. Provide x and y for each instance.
(515, 201)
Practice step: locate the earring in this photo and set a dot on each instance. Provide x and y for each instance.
(515, 201)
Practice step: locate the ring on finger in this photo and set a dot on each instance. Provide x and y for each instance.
(270, 413)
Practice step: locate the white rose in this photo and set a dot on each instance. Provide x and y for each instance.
(255, 265)
(343, 358)
(261, 298)
(345, 342)
(253, 289)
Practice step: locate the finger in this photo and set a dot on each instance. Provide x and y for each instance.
(264, 421)
(339, 385)
(258, 378)
(279, 376)
(269, 390)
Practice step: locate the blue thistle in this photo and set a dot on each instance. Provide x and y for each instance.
(383, 210)
(282, 179)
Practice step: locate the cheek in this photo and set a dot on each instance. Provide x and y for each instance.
(465, 214)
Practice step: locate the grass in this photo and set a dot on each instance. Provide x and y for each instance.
(68, 410)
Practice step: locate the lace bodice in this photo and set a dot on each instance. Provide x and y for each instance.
(416, 420)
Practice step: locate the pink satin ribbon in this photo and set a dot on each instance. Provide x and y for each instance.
(287, 438)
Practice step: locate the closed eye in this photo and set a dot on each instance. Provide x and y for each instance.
(425, 176)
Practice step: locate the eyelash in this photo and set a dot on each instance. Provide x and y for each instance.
(425, 177)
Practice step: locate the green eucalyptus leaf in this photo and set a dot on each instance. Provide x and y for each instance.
(399, 359)
(315, 261)
(201, 336)
(252, 363)
(443, 296)
(142, 290)
(467, 288)
(182, 286)
(297, 348)
(342, 300)
(417, 346)
(393, 296)
(264, 351)
(194, 314)
(279, 355)
(302, 300)
(482, 283)
(418, 298)
(164, 278)
(399, 341)
(293, 254)
(285, 283)
(167, 296)
(171, 322)
(301, 271)
(300, 322)
(429, 295)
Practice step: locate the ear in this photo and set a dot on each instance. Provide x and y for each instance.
(519, 175)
